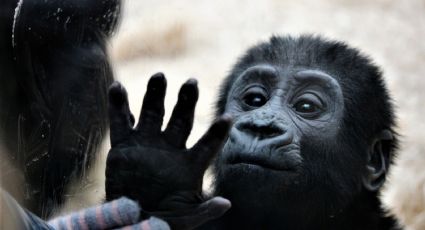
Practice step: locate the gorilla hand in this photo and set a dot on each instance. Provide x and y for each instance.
(154, 167)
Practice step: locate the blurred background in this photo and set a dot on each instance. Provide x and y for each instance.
(203, 39)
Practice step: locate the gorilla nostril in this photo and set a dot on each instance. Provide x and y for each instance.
(262, 131)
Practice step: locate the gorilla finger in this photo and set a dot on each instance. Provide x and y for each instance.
(206, 211)
(181, 121)
(211, 142)
(215, 207)
(120, 118)
(152, 113)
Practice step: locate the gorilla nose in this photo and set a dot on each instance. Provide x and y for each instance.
(260, 129)
(266, 133)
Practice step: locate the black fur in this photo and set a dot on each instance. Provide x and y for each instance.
(310, 146)
(55, 72)
(329, 193)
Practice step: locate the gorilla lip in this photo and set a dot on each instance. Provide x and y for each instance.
(266, 163)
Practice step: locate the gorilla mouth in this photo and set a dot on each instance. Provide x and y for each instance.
(265, 163)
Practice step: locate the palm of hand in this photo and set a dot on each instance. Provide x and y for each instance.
(154, 167)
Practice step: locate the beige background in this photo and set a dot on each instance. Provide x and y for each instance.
(203, 39)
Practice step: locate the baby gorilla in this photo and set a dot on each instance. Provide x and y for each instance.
(310, 146)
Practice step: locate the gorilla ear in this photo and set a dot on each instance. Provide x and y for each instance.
(378, 161)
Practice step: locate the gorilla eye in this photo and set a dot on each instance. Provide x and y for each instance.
(306, 107)
(255, 99)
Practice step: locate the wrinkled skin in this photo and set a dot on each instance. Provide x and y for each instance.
(311, 142)
(154, 167)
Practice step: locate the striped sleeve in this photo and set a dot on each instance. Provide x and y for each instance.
(120, 212)
(152, 223)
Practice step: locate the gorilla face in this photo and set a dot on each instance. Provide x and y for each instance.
(312, 137)
(285, 139)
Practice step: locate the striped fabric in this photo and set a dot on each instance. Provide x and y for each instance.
(149, 224)
(115, 214)
(118, 214)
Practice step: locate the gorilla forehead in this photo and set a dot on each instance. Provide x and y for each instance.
(308, 51)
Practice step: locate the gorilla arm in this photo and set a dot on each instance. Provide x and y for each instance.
(153, 166)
